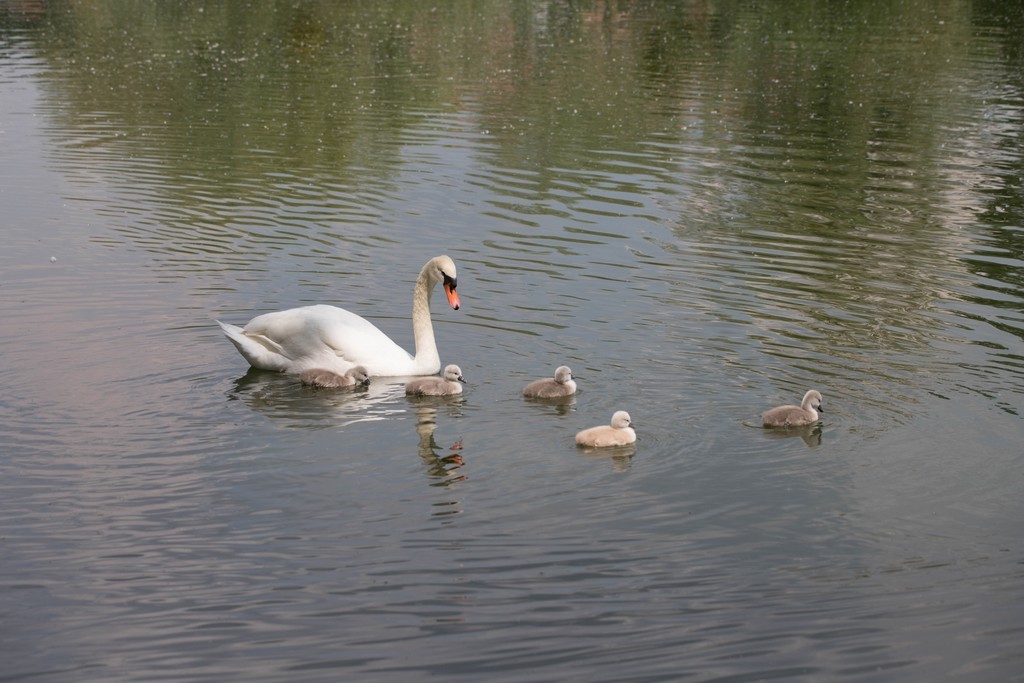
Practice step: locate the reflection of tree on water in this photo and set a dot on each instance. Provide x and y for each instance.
(441, 466)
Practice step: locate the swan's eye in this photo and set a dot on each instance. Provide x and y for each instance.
(451, 282)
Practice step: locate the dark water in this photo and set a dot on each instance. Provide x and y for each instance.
(703, 208)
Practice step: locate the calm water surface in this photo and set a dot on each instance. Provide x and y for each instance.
(703, 208)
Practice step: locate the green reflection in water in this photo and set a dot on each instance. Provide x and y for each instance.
(851, 169)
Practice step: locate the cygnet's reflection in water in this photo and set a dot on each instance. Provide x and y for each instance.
(561, 405)
(443, 464)
(621, 457)
(281, 396)
(811, 434)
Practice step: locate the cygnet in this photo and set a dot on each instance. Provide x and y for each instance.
(795, 416)
(619, 433)
(562, 384)
(448, 384)
(329, 379)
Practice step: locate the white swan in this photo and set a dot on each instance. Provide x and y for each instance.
(334, 339)
(447, 385)
(328, 379)
(795, 416)
(618, 433)
(562, 384)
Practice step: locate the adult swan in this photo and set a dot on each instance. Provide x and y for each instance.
(334, 339)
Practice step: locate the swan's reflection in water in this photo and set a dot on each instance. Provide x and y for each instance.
(442, 463)
(284, 397)
(276, 395)
(811, 434)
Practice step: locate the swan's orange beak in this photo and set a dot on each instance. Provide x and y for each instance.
(453, 297)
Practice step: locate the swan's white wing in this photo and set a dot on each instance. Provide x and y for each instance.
(328, 337)
(359, 341)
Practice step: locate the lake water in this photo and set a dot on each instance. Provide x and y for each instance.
(704, 208)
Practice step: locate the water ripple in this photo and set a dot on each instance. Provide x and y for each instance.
(704, 211)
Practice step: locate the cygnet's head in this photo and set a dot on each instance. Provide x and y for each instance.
(359, 374)
(621, 420)
(563, 374)
(453, 373)
(812, 399)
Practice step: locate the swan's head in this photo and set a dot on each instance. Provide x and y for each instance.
(621, 420)
(453, 373)
(812, 399)
(563, 374)
(359, 374)
(443, 271)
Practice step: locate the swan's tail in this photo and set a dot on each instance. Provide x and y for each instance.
(258, 355)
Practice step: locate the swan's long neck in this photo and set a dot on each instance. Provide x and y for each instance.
(426, 358)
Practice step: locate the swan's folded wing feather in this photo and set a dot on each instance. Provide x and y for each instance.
(268, 343)
(259, 351)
